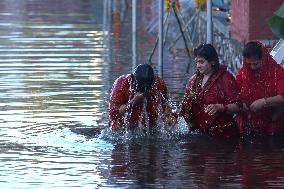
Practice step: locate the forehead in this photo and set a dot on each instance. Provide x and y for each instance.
(198, 58)
(252, 59)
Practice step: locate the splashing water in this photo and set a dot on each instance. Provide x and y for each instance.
(143, 130)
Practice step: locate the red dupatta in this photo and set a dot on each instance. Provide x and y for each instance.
(196, 98)
(212, 81)
(259, 83)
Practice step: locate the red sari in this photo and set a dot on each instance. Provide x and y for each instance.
(221, 88)
(122, 92)
(267, 81)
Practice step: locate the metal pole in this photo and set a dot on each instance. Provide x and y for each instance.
(161, 28)
(156, 43)
(209, 37)
(134, 15)
(106, 21)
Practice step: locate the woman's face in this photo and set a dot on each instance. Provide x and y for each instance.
(203, 66)
(253, 63)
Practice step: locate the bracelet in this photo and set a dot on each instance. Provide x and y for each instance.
(225, 108)
(240, 105)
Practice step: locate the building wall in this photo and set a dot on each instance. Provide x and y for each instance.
(240, 21)
(249, 19)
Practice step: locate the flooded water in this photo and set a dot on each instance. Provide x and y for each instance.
(58, 60)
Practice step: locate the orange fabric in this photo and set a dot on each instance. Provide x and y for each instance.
(168, 5)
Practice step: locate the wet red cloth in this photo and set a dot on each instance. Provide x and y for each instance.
(122, 92)
(221, 88)
(267, 81)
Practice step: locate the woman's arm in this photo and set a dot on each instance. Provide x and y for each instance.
(118, 97)
(232, 97)
(138, 97)
(222, 108)
(169, 117)
(273, 101)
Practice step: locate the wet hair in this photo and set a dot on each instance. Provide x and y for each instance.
(208, 52)
(144, 77)
(252, 50)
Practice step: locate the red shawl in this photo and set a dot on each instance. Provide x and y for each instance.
(221, 88)
(267, 81)
(122, 92)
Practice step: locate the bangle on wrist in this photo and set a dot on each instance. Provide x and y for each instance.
(240, 105)
(225, 108)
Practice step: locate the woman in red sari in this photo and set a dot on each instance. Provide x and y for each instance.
(139, 98)
(211, 96)
(261, 84)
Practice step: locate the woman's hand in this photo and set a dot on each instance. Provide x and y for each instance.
(122, 109)
(170, 120)
(138, 97)
(258, 105)
(212, 109)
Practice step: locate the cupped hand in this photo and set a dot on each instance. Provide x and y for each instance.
(257, 105)
(138, 97)
(170, 120)
(212, 109)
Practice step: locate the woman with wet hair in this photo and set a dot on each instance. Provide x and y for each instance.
(139, 98)
(261, 84)
(211, 96)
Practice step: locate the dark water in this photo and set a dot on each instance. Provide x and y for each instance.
(58, 60)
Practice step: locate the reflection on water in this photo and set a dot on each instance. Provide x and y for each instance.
(58, 60)
(200, 162)
(52, 67)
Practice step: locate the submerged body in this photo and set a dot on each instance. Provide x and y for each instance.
(220, 88)
(261, 84)
(211, 96)
(131, 104)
